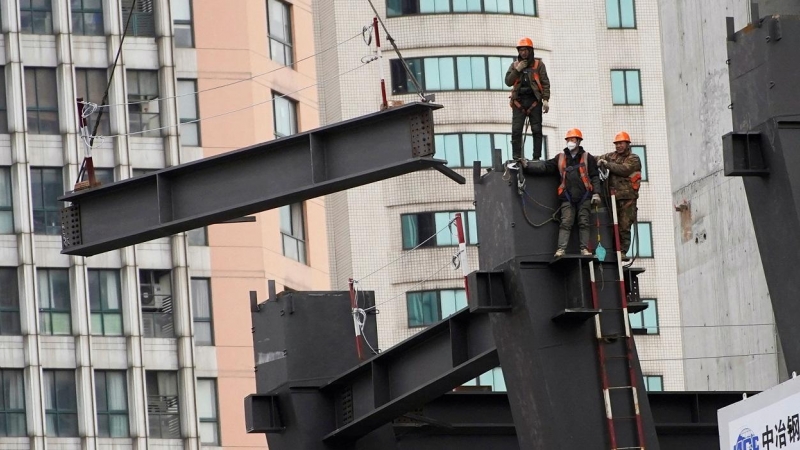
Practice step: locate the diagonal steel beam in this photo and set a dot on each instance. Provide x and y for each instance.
(257, 178)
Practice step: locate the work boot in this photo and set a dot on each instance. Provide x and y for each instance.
(559, 253)
(586, 252)
(625, 257)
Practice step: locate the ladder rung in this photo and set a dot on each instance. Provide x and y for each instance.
(613, 336)
(629, 448)
(620, 387)
(624, 418)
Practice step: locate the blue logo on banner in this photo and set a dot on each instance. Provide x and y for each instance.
(747, 440)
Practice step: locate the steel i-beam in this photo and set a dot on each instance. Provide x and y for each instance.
(265, 176)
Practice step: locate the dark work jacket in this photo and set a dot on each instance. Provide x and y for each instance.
(574, 185)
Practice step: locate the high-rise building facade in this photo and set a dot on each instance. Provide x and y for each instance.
(147, 346)
(603, 58)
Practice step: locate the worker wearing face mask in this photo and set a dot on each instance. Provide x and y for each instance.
(578, 191)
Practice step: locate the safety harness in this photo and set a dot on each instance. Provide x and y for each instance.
(583, 170)
(515, 103)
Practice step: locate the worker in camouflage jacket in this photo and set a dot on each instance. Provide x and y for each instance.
(530, 94)
(625, 176)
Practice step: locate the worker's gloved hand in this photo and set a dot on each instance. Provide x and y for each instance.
(521, 65)
(601, 163)
(595, 199)
(545, 106)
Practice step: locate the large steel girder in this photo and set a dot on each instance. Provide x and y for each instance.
(257, 178)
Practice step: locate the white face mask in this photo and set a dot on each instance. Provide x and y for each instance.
(571, 146)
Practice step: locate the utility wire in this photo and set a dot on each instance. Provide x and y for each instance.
(235, 110)
(158, 99)
(430, 277)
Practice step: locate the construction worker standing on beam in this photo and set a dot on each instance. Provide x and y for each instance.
(578, 191)
(625, 176)
(530, 95)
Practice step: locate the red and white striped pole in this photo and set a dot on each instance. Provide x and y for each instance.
(462, 251)
(385, 103)
(354, 308)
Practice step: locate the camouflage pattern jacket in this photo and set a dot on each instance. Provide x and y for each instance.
(625, 173)
(516, 79)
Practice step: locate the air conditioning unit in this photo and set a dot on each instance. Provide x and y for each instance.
(150, 299)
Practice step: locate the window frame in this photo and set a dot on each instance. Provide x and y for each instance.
(203, 320)
(640, 318)
(136, 99)
(467, 217)
(625, 73)
(103, 410)
(287, 47)
(192, 241)
(418, 67)
(643, 159)
(300, 241)
(184, 22)
(293, 110)
(3, 102)
(213, 420)
(10, 276)
(85, 72)
(5, 171)
(58, 412)
(194, 121)
(82, 12)
(51, 310)
(104, 310)
(54, 209)
(32, 10)
(136, 28)
(619, 14)
(162, 318)
(32, 107)
(173, 402)
(439, 307)
(649, 379)
(5, 410)
(636, 234)
(495, 142)
(451, 10)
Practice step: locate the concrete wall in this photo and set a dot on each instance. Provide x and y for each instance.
(729, 335)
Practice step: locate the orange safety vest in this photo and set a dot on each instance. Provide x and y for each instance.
(535, 76)
(583, 169)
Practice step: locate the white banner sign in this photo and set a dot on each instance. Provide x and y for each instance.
(774, 427)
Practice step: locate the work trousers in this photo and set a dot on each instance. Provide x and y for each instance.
(626, 217)
(568, 211)
(518, 124)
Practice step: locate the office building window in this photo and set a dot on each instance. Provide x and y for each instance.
(143, 22)
(41, 96)
(293, 232)
(143, 108)
(104, 299)
(492, 380)
(201, 311)
(625, 87)
(111, 394)
(641, 241)
(36, 16)
(87, 17)
(437, 229)
(3, 105)
(284, 110)
(279, 19)
(451, 73)
(12, 403)
(187, 108)
(645, 322)
(182, 21)
(104, 175)
(620, 14)
(9, 302)
(47, 185)
(6, 202)
(654, 383)
(207, 411)
(60, 403)
(162, 405)
(54, 301)
(428, 307)
(90, 85)
(462, 149)
(155, 292)
(198, 236)
(641, 152)
(407, 7)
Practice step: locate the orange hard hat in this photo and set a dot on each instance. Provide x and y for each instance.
(574, 133)
(525, 42)
(622, 136)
